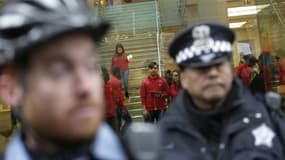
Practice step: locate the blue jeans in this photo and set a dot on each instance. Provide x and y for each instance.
(125, 80)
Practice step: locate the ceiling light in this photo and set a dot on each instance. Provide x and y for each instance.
(246, 10)
(236, 24)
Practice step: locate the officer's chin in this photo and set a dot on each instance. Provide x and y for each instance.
(215, 94)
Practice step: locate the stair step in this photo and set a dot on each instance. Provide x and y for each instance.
(138, 118)
(135, 103)
(129, 15)
(149, 49)
(118, 10)
(136, 112)
(134, 107)
(131, 44)
(129, 6)
(127, 27)
(137, 35)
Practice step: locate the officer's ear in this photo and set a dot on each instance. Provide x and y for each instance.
(184, 82)
(10, 87)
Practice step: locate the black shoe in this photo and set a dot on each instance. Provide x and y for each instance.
(127, 94)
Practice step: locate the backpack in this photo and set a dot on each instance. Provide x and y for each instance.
(257, 84)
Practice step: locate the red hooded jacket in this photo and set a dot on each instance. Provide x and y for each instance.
(154, 93)
(117, 92)
(174, 90)
(121, 62)
(110, 103)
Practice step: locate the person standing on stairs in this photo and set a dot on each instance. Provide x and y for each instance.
(175, 86)
(154, 92)
(121, 108)
(110, 109)
(121, 60)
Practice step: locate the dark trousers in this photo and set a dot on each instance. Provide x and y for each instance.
(154, 116)
(126, 116)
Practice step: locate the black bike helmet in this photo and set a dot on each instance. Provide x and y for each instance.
(27, 23)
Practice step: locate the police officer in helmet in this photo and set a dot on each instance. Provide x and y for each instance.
(57, 79)
(214, 117)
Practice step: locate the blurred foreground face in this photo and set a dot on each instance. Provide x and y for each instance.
(63, 98)
(4, 81)
(209, 84)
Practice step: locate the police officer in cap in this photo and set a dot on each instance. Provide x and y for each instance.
(58, 86)
(214, 117)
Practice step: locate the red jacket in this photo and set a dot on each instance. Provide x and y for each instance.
(238, 68)
(110, 104)
(120, 61)
(281, 74)
(117, 92)
(174, 89)
(244, 74)
(154, 93)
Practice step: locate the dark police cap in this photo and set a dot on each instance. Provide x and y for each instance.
(202, 45)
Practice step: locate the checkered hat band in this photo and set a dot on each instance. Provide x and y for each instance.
(194, 51)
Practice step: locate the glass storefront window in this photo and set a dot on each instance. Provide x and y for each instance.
(260, 33)
(259, 27)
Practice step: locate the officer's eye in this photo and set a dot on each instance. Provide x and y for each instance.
(58, 69)
(92, 65)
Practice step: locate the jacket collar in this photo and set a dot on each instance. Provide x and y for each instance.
(106, 142)
(150, 78)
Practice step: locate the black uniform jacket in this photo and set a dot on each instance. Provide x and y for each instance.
(239, 130)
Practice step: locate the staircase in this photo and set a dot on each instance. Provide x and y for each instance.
(135, 25)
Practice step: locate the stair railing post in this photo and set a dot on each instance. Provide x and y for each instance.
(134, 22)
(158, 37)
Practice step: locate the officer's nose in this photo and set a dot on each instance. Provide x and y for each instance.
(213, 71)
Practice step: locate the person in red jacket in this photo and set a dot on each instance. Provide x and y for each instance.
(110, 113)
(238, 68)
(122, 111)
(120, 60)
(245, 70)
(280, 70)
(175, 85)
(154, 92)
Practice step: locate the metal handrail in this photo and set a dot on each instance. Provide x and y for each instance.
(181, 7)
(158, 37)
(277, 11)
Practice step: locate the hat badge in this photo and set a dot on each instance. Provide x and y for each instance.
(202, 39)
(204, 46)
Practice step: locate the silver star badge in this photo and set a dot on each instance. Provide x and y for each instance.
(263, 136)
